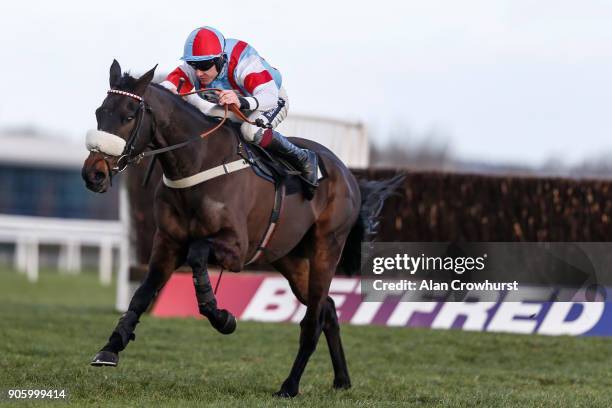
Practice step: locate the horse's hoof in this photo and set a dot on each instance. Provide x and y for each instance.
(105, 358)
(342, 384)
(288, 390)
(226, 324)
(284, 394)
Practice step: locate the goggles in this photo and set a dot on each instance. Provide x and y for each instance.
(202, 65)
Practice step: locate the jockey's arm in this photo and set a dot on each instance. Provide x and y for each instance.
(204, 106)
(252, 75)
(265, 97)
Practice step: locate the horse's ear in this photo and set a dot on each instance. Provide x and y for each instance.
(144, 81)
(115, 73)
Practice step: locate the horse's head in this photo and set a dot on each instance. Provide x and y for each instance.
(125, 128)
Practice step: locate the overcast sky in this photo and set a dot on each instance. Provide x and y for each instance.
(503, 80)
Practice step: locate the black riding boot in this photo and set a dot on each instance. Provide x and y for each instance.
(303, 160)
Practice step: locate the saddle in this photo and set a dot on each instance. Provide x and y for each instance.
(274, 169)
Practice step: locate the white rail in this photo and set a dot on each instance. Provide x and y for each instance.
(27, 233)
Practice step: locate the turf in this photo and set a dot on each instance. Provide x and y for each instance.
(50, 330)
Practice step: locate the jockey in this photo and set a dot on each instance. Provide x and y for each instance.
(248, 81)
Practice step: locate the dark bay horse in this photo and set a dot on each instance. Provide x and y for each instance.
(222, 220)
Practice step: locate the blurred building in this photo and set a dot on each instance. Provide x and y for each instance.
(40, 175)
(348, 140)
(48, 218)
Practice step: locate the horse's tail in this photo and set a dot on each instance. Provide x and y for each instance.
(373, 196)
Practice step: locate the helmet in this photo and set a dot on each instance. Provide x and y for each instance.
(204, 43)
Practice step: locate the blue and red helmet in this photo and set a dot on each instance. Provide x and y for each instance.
(203, 44)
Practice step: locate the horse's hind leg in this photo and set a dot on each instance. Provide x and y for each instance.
(331, 328)
(197, 258)
(310, 330)
(295, 269)
(323, 261)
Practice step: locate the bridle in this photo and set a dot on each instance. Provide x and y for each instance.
(126, 158)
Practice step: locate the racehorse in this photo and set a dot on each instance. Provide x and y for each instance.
(221, 221)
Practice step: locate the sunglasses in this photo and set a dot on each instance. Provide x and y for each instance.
(202, 65)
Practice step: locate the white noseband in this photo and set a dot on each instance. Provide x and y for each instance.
(100, 141)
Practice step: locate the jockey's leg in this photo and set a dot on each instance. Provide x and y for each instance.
(302, 160)
(274, 116)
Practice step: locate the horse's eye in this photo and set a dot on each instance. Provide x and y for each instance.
(129, 118)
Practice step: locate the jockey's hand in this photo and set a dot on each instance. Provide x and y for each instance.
(228, 97)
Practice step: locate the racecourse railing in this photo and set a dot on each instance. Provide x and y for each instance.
(28, 233)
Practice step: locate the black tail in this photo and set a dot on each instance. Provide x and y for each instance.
(373, 196)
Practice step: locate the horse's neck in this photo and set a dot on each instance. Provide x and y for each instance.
(181, 124)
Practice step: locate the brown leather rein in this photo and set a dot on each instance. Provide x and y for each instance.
(136, 159)
(233, 108)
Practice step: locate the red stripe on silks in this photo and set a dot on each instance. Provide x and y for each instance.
(206, 43)
(176, 75)
(266, 138)
(254, 79)
(233, 62)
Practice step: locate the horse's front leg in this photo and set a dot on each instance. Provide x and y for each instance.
(166, 256)
(197, 258)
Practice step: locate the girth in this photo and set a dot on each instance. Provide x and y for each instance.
(279, 192)
(246, 160)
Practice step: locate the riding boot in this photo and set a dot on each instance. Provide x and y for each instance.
(303, 160)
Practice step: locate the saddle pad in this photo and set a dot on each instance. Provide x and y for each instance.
(274, 170)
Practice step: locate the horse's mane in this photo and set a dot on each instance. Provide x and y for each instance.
(184, 104)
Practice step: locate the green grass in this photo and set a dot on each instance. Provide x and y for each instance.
(49, 331)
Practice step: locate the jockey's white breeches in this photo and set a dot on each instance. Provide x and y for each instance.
(274, 116)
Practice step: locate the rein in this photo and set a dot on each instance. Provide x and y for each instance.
(126, 157)
(233, 108)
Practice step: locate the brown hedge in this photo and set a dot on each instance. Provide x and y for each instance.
(432, 206)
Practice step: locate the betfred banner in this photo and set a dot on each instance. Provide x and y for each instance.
(268, 298)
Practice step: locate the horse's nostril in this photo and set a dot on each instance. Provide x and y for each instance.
(99, 176)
